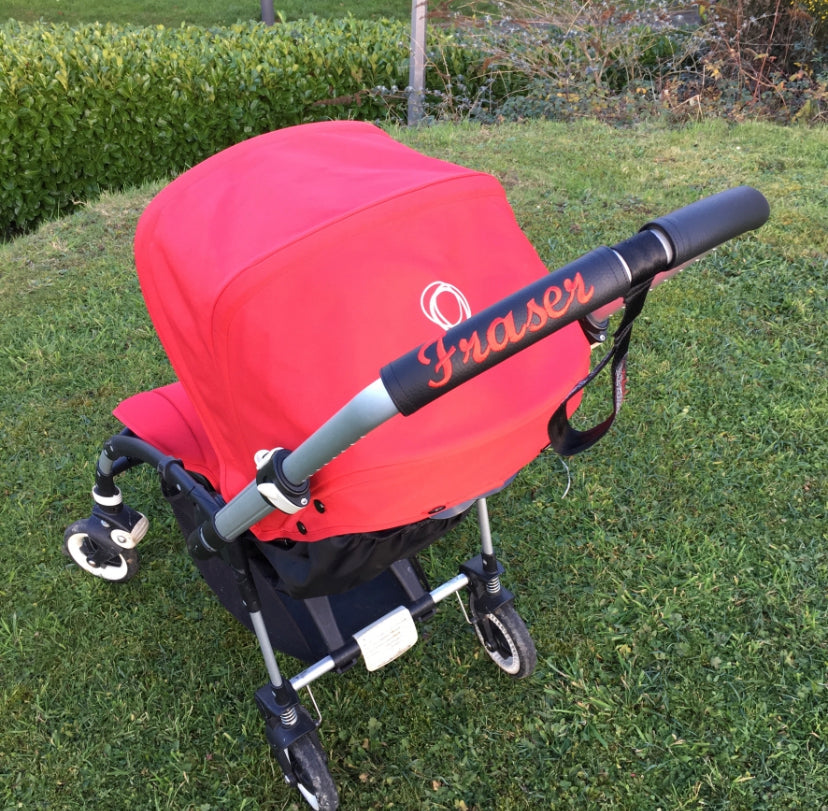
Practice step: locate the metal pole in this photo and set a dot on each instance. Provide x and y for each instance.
(417, 60)
(268, 16)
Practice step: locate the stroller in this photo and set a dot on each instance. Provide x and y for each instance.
(338, 309)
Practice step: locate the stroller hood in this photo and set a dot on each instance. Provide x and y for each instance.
(282, 273)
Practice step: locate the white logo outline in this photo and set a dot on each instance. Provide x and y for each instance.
(432, 310)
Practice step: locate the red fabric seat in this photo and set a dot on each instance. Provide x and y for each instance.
(166, 418)
(282, 273)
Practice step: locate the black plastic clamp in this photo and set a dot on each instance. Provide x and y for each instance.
(483, 573)
(280, 735)
(275, 487)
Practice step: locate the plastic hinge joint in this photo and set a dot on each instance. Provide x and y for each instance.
(274, 487)
(475, 570)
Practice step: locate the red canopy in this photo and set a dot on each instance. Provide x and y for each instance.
(282, 273)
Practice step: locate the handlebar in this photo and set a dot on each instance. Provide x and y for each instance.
(701, 226)
(486, 339)
(594, 280)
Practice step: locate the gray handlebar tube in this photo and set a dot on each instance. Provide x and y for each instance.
(359, 416)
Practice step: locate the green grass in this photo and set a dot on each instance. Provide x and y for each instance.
(678, 594)
(197, 12)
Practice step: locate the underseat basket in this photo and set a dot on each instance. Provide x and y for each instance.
(316, 595)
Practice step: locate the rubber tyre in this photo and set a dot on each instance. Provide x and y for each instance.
(514, 651)
(310, 765)
(121, 565)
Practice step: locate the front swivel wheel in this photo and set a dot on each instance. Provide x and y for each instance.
(506, 639)
(310, 768)
(98, 556)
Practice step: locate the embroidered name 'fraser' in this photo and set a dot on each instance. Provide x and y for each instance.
(504, 331)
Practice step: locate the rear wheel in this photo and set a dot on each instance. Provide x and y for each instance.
(99, 559)
(506, 639)
(310, 767)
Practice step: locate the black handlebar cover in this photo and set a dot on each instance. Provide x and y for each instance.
(568, 294)
(701, 226)
(507, 327)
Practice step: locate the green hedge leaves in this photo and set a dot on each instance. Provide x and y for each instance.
(105, 106)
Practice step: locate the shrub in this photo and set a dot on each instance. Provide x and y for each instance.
(818, 9)
(623, 60)
(574, 57)
(754, 39)
(608, 44)
(104, 106)
(763, 58)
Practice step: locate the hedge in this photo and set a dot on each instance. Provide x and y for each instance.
(105, 106)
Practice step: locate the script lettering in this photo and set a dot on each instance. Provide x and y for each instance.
(550, 300)
(510, 335)
(536, 316)
(576, 287)
(443, 364)
(502, 331)
(471, 349)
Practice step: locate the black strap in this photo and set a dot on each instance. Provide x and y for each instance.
(563, 438)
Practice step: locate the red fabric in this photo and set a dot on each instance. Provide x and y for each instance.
(166, 418)
(282, 273)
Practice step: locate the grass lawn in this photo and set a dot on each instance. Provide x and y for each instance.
(677, 593)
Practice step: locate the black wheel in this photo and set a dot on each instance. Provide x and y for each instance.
(310, 766)
(507, 641)
(101, 560)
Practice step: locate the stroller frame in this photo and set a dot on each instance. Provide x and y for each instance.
(104, 544)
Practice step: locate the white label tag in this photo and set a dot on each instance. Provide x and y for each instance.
(387, 638)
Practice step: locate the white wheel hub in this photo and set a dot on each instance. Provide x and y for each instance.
(509, 664)
(109, 571)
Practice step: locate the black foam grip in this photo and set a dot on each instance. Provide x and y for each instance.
(566, 295)
(509, 326)
(703, 225)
